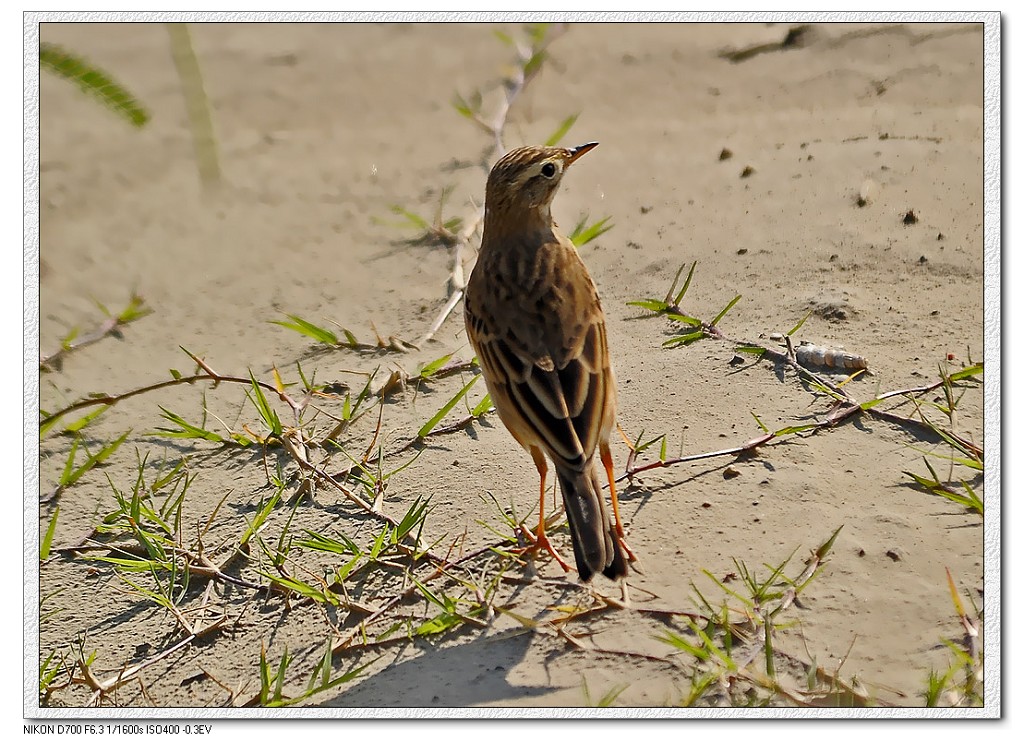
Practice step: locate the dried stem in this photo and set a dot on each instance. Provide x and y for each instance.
(111, 327)
(208, 374)
(523, 73)
(102, 687)
(844, 408)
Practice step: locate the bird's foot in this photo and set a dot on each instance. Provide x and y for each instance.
(632, 558)
(539, 541)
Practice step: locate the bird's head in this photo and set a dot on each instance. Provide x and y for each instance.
(527, 178)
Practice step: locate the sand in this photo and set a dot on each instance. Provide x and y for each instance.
(321, 130)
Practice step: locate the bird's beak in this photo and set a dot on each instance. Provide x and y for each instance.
(576, 152)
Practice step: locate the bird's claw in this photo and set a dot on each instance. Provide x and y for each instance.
(539, 541)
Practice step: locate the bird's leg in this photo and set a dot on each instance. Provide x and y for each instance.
(540, 538)
(620, 533)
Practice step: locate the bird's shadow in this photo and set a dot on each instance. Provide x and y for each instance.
(449, 676)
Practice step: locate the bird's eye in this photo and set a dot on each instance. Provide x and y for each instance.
(548, 170)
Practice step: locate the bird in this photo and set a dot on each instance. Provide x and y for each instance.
(534, 319)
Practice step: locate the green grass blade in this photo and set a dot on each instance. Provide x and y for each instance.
(793, 429)
(46, 423)
(93, 82)
(583, 234)
(346, 677)
(379, 542)
(431, 597)
(686, 283)
(639, 448)
(534, 63)
(726, 661)
(81, 423)
(344, 547)
(300, 325)
(108, 450)
(651, 304)
(264, 675)
(267, 412)
(69, 466)
(683, 318)
(824, 549)
(281, 669)
(185, 429)
(136, 309)
(413, 516)
(974, 501)
(260, 518)
(468, 108)
(723, 312)
(685, 339)
(439, 624)
(44, 547)
(483, 407)
(197, 104)
(561, 131)
(342, 572)
(415, 220)
(301, 588)
(677, 641)
(799, 324)
(322, 671)
(350, 338)
(975, 370)
(750, 350)
(70, 477)
(434, 366)
(432, 422)
(871, 403)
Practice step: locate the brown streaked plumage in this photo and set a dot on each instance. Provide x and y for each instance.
(534, 318)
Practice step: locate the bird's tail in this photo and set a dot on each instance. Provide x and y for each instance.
(593, 543)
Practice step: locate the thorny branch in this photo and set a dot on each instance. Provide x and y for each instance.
(528, 64)
(113, 325)
(207, 374)
(844, 407)
(101, 687)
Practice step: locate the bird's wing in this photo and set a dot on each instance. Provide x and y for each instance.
(549, 375)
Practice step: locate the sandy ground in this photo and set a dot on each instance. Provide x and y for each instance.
(321, 130)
